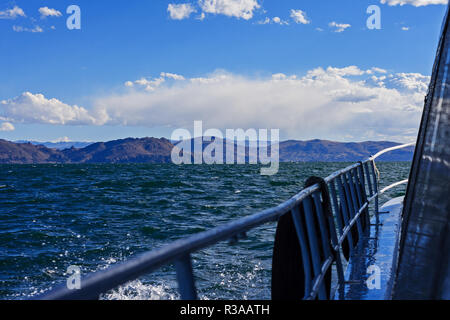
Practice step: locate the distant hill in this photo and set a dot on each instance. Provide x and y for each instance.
(323, 150)
(326, 151)
(59, 145)
(146, 150)
(28, 153)
(154, 150)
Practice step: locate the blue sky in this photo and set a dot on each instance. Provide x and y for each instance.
(222, 64)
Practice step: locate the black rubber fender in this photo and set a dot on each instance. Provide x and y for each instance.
(288, 274)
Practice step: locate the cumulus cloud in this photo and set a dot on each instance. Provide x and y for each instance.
(347, 103)
(275, 20)
(415, 3)
(7, 126)
(282, 76)
(171, 76)
(49, 12)
(232, 8)
(346, 71)
(266, 20)
(411, 81)
(377, 70)
(12, 13)
(299, 16)
(180, 11)
(36, 29)
(151, 84)
(279, 21)
(339, 27)
(336, 103)
(35, 108)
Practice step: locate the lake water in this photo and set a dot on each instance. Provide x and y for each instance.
(93, 216)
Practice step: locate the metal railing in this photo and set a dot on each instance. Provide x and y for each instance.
(321, 236)
(393, 186)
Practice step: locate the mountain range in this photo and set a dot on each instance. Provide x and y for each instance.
(158, 150)
(61, 145)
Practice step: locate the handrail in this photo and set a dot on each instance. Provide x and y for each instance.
(357, 187)
(393, 186)
(392, 149)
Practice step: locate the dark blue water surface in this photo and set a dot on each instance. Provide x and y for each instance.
(93, 216)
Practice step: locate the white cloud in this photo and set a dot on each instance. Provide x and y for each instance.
(412, 81)
(48, 12)
(180, 11)
(416, 3)
(151, 84)
(201, 17)
(299, 16)
(334, 103)
(279, 76)
(171, 76)
(339, 27)
(279, 21)
(276, 20)
(36, 29)
(232, 8)
(7, 126)
(282, 76)
(346, 71)
(35, 108)
(219, 77)
(346, 103)
(12, 13)
(267, 20)
(405, 28)
(377, 70)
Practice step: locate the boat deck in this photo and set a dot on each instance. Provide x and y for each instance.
(378, 249)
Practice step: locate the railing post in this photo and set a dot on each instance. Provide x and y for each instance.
(345, 210)
(338, 213)
(300, 229)
(369, 178)
(375, 186)
(335, 247)
(369, 182)
(361, 193)
(351, 186)
(185, 278)
(313, 241)
(322, 224)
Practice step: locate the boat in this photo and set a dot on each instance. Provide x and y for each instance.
(335, 228)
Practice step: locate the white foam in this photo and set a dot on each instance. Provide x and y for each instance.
(137, 290)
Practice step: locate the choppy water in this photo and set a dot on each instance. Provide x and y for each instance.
(53, 216)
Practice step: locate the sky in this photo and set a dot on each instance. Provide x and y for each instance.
(137, 68)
